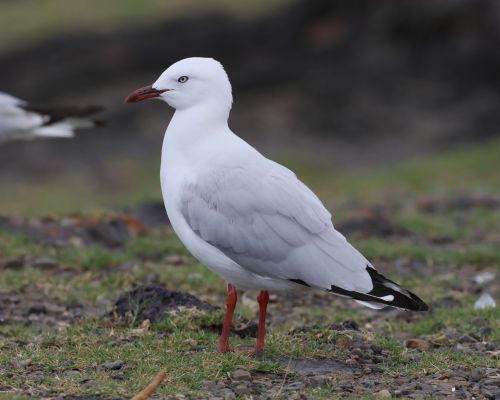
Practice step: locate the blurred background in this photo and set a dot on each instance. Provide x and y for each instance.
(334, 89)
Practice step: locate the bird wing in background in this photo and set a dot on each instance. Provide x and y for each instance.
(20, 120)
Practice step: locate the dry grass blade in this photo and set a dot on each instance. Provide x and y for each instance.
(148, 390)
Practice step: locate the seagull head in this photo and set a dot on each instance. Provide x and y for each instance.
(188, 83)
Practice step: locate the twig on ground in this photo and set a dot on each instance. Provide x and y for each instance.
(148, 390)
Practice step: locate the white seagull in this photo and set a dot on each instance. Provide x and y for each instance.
(246, 217)
(22, 121)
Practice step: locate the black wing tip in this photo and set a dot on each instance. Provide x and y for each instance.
(382, 287)
(58, 113)
(402, 298)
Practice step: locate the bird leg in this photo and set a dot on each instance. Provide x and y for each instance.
(231, 300)
(263, 299)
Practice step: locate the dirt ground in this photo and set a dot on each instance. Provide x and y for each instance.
(340, 349)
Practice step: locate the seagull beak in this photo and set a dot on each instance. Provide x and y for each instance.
(147, 92)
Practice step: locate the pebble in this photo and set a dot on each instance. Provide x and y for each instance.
(377, 359)
(294, 386)
(476, 374)
(318, 380)
(210, 386)
(485, 301)
(71, 372)
(215, 398)
(350, 324)
(227, 394)
(21, 363)
(113, 365)
(242, 388)
(417, 344)
(44, 263)
(383, 394)
(15, 263)
(241, 375)
(441, 340)
(37, 309)
(478, 321)
(466, 339)
(485, 331)
(484, 277)
(119, 376)
(376, 349)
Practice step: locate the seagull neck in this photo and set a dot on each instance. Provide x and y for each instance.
(204, 114)
(195, 125)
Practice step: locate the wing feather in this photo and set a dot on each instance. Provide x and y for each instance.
(266, 220)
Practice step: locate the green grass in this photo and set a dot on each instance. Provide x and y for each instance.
(467, 171)
(95, 276)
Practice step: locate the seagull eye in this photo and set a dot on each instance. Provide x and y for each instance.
(182, 79)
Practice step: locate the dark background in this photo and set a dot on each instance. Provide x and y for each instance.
(358, 84)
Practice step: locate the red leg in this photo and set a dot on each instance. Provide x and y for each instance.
(263, 299)
(231, 300)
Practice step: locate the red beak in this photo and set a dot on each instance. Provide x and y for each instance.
(147, 92)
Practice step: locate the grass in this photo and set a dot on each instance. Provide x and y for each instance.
(470, 171)
(182, 344)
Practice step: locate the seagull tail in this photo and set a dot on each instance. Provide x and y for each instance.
(63, 121)
(384, 293)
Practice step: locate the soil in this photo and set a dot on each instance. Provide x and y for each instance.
(358, 373)
(154, 302)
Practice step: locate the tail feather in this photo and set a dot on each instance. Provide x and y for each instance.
(384, 293)
(57, 114)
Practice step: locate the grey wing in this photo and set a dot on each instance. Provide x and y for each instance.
(271, 224)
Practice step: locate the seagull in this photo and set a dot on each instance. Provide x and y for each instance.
(244, 216)
(22, 121)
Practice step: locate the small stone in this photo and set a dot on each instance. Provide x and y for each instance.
(242, 388)
(118, 376)
(318, 380)
(227, 394)
(466, 339)
(44, 263)
(210, 386)
(215, 398)
(476, 374)
(485, 301)
(294, 386)
(37, 309)
(358, 352)
(478, 321)
(350, 324)
(417, 344)
(71, 372)
(376, 349)
(21, 363)
(441, 340)
(14, 263)
(453, 335)
(241, 375)
(113, 365)
(383, 394)
(484, 277)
